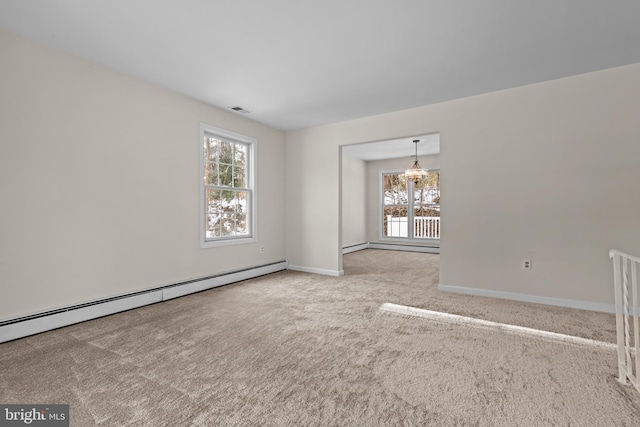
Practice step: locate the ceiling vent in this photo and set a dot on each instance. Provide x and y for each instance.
(239, 109)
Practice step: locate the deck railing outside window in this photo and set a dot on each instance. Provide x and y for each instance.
(425, 227)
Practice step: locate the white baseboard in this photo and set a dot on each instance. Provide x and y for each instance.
(391, 247)
(316, 270)
(30, 325)
(406, 248)
(49, 322)
(223, 279)
(354, 248)
(582, 305)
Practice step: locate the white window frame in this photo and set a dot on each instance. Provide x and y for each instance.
(252, 211)
(410, 214)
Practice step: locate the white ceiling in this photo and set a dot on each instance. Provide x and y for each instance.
(297, 63)
(402, 147)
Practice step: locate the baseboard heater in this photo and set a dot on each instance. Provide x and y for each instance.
(45, 321)
(354, 248)
(391, 246)
(405, 247)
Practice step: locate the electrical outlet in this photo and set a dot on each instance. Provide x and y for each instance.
(261, 249)
(526, 264)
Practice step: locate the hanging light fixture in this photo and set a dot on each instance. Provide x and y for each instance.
(416, 173)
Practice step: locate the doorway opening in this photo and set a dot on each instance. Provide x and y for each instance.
(379, 208)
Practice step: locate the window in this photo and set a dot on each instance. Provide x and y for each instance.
(422, 220)
(227, 171)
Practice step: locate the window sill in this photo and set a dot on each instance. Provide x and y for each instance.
(227, 242)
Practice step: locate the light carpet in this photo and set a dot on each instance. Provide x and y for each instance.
(297, 349)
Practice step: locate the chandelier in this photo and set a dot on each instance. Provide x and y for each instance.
(415, 173)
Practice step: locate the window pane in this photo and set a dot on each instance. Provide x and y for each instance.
(426, 223)
(395, 222)
(432, 187)
(395, 189)
(393, 197)
(226, 175)
(228, 224)
(210, 148)
(423, 197)
(241, 224)
(239, 177)
(396, 199)
(241, 213)
(228, 202)
(211, 173)
(400, 182)
(419, 194)
(428, 190)
(240, 155)
(226, 152)
(240, 166)
(427, 210)
(212, 213)
(389, 198)
(227, 198)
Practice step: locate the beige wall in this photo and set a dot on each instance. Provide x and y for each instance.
(312, 200)
(373, 189)
(548, 172)
(99, 183)
(354, 201)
